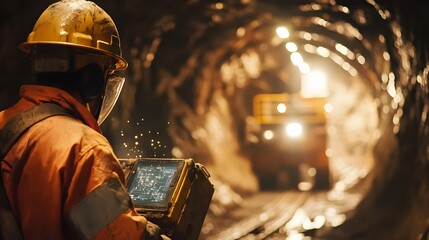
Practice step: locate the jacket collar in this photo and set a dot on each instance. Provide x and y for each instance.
(40, 94)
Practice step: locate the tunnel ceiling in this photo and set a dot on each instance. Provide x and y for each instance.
(231, 48)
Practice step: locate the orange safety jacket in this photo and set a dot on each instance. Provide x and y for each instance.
(62, 178)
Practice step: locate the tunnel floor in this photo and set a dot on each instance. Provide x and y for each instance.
(291, 214)
(283, 215)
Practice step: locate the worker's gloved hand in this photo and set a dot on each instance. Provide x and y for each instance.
(153, 231)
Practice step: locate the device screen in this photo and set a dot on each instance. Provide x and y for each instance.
(152, 182)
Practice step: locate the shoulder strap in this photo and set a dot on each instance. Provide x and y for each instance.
(21, 122)
(9, 134)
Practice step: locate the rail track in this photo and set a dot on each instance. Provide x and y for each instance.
(261, 223)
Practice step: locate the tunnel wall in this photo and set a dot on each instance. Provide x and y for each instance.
(398, 193)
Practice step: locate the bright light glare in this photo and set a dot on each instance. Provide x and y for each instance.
(322, 51)
(281, 108)
(341, 48)
(314, 84)
(328, 152)
(268, 134)
(328, 107)
(295, 236)
(304, 67)
(282, 32)
(306, 186)
(361, 59)
(291, 47)
(296, 58)
(386, 56)
(294, 129)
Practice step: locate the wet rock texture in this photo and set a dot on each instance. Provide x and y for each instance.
(195, 65)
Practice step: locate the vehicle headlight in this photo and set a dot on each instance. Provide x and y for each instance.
(268, 134)
(294, 129)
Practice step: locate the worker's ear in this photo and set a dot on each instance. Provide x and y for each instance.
(91, 82)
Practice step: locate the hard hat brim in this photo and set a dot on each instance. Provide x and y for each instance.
(120, 64)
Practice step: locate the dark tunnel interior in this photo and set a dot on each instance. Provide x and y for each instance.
(195, 68)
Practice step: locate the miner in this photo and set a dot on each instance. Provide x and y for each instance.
(60, 176)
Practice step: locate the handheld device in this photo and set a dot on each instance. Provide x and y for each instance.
(173, 193)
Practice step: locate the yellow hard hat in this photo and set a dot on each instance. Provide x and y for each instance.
(77, 23)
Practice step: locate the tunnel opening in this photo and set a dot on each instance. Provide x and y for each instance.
(231, 52)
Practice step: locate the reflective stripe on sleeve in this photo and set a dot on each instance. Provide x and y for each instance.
(99, 208)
